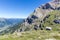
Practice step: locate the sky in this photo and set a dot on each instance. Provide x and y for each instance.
(19, 8)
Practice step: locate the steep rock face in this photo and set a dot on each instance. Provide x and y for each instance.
(39, 15)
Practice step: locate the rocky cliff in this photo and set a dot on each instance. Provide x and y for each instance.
(47, 15)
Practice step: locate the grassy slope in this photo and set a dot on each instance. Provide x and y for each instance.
(54, 34)
(33, 35)
(49, 21)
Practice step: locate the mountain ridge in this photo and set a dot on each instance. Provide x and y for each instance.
(39, 16)
(7, 24)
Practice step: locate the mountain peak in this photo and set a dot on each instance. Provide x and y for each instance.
(42, 14)
(56, 1)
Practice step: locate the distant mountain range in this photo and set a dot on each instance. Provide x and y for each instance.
(12, 21)
(9, 23)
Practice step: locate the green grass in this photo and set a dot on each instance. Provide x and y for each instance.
(32, 35)
(49, 21)
(54, 34)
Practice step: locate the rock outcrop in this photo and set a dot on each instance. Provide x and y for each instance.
(40, 14)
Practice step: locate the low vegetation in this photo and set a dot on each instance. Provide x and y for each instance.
(55, 15)
(44, 34)
(33, 35)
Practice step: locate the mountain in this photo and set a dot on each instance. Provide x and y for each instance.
(42, 24)
(7, 24)
(47, 15)
(12, 21)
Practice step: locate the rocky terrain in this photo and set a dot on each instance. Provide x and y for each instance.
(44, 17)
(42, 24)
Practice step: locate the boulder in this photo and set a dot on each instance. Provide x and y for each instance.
(34, 17)
(57, 21)
(29, 20)
(48, 28)
(58, 8)
(36, 27)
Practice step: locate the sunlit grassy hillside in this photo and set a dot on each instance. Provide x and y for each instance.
(53, 34)
(33, 35)
(49, 22)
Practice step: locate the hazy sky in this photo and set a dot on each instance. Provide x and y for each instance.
(19, 8)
